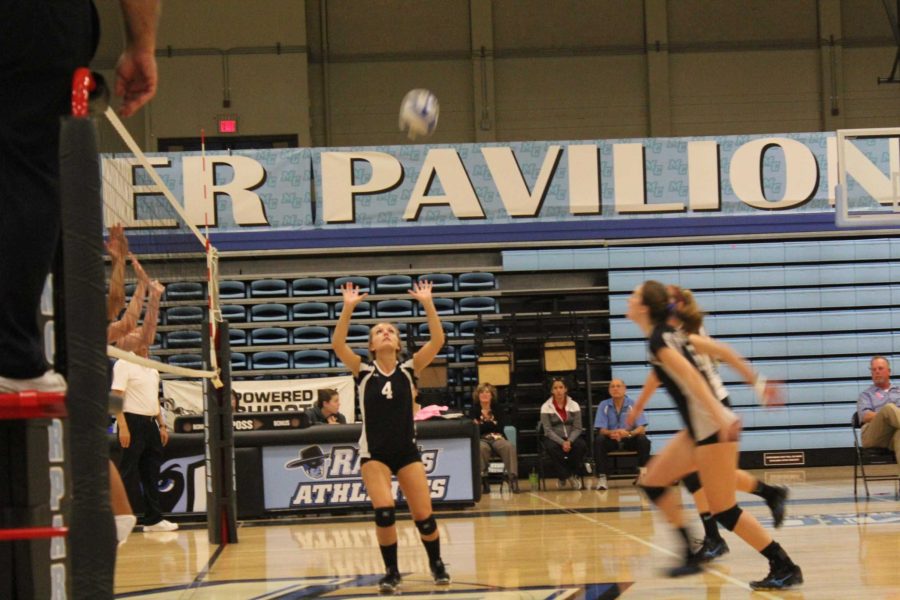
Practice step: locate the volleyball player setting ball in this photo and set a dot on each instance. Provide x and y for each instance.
(387, 445)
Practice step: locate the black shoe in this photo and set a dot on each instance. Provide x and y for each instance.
(514, 484)
(690, 566)
(779, 578)
(439, 572)
(711, 549)
(778, 505)
(389, 583)
(485, 486)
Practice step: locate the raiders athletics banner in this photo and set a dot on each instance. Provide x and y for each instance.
(186, 397)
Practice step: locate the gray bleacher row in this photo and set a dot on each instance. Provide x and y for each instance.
(270, 287)
(813, 325)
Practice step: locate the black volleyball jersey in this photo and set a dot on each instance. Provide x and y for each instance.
(387, 409)
(698, 420)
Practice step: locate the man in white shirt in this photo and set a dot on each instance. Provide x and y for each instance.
(142, 435)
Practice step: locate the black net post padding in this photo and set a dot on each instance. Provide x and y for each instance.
(221, 496)
(92, 534)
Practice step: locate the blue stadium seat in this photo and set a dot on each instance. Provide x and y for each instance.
(361, 352)
(363, 309)
(312, 359)
(310, 286)
(389, 309)
(477, 304)
(363, 283)
(268, 336)
(270, 360)
(188, 361)
(157, 342)
(311, 335)
(182, 315)
(269, 312)
(184, 339)
(449, 329)
(234, 313)
(476, 281)
(232, 289)
(309, 310)
(468, 328)
(238, 361)
(237, 337)
(444, 306)
(185, 290)
(268, 288)
(392, 284)
(402, 327)
(440, 282)
(467, 353)
(358, 333)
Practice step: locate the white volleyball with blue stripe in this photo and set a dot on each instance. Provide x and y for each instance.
(419, 113)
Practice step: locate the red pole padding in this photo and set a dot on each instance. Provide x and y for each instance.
(82, 85)
(32, 533)
(33, 405)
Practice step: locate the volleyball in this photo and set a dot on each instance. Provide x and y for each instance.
(419, 113)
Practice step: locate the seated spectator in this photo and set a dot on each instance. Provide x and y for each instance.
(493, 439)
(327, 410)
(879, 409)
(561, 422)
(612, 432)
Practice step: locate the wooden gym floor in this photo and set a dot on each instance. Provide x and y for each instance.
(559, 544)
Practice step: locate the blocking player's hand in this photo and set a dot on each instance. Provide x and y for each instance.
(350, 294)
(421, 290)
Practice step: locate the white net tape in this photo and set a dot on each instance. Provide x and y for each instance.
(118, 208)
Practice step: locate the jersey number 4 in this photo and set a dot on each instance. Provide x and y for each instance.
(387, 392)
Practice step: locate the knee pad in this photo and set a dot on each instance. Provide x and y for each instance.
(427, 526)
(385, 517)
(729, 518)
(654, 493)
(692, 482)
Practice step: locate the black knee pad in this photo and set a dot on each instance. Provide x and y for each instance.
(729, 518)
(692, 482)
(427, 526)
(653, 493)
(385, 517)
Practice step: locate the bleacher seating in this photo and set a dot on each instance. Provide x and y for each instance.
(311, 335)
(477, 304)
(309, 310)
(184, 339)
(187, 361)
(392, 284)
(475, 281)
(312, 359)
(229, 290)
(234, 313)
(357, 333)
(363, 283)
(270, 360)
(363, 310)
(269, 312)
(184, 315)
(392, 309)
(268, 336)
(238, 361)
(268, 288)
(440, 282)
(237, 337)
(185, 290)
(444, 307)
(310, 286)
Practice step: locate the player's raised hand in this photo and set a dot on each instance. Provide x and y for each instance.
(350, 294)
(421, 290)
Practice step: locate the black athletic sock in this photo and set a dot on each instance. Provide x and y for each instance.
(710, 527)
(776, 554)
(389, 555)
(433, 548)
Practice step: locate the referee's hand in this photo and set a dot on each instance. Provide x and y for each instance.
(124, 437)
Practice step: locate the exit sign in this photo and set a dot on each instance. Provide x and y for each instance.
(228, 124)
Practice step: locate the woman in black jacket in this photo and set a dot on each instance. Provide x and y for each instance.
(493, 440)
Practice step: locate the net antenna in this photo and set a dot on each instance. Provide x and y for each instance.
(119, 209)
(871, 159)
